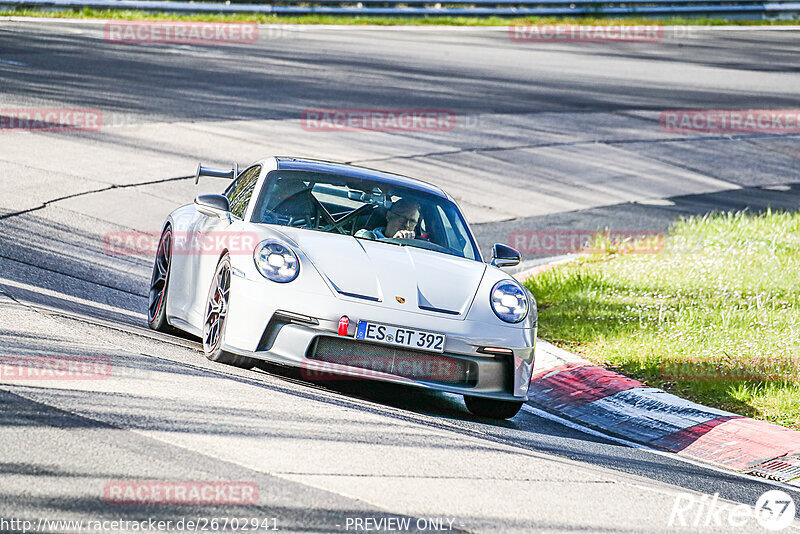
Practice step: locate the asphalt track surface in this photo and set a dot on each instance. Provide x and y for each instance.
(551, 135)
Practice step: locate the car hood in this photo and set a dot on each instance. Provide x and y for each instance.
(401, 277)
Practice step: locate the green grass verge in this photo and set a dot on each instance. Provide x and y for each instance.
(714, 316)
(384, 21)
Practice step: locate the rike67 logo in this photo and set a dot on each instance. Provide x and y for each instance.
(774, 511)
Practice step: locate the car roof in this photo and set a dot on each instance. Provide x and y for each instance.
(312, 165)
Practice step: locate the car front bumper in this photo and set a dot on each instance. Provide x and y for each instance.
(304, 334)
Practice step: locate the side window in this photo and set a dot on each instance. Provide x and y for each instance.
(240, 191)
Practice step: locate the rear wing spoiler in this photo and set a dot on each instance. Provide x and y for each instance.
(216, 173)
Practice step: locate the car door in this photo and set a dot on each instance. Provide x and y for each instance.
(209, 229)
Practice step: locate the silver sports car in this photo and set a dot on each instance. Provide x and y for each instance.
(346, 272)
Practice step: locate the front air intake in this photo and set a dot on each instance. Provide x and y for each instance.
(414, 365)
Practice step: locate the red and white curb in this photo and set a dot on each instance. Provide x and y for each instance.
(581, 392)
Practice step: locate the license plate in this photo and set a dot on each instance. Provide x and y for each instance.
(400, 336)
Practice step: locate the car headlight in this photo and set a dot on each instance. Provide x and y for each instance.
(509, 301)
(276, 261)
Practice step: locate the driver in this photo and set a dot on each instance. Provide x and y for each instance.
(401, 219)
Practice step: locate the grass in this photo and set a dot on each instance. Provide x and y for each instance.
(87, 13)
(714, 316)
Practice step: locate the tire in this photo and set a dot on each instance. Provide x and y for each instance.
(157, 297)
(216, 313)
(492, 408)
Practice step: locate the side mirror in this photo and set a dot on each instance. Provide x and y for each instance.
(213, 205)
(504, 256)
(216, 173)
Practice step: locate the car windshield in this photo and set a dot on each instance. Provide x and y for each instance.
(364, 209)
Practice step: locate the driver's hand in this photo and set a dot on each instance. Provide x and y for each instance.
(404, 234)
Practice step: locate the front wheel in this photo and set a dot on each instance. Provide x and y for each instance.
(492, 408)
(216, 313)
